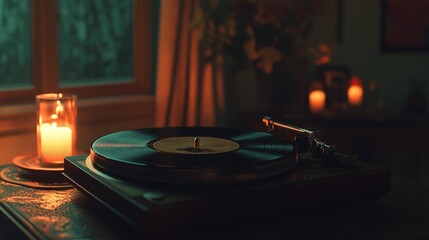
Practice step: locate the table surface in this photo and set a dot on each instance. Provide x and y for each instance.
(403, 213)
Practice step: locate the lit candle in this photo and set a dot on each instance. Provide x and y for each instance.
(355, 92)
(316, 100)
(56, 127)
(355, 95)
(56, 143)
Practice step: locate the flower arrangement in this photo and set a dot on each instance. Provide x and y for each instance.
(263, 32)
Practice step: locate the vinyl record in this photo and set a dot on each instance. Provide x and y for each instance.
(192, 155)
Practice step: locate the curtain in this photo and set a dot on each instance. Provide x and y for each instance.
(188, 89)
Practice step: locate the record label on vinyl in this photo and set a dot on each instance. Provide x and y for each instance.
(195, 145)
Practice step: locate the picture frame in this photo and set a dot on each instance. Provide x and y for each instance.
(336, 80)
(405, 25)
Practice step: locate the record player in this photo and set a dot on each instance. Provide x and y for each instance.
(181, 177)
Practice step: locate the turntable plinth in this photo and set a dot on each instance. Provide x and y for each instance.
(154, 207)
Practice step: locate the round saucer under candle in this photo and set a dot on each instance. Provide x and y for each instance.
(28, 171)
(30, 162)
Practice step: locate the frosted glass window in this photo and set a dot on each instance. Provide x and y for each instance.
(95, 42)
(15, 44)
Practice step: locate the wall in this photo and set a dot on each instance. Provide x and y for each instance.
(360, 50)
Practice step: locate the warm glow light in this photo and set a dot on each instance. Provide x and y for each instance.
(56, 127)
(56, 143)
(316, 100)
(355, 95)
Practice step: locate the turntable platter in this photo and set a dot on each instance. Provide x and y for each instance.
(192, 154)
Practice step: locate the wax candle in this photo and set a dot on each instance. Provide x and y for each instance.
(56, 127)
(355, 95)
(56, 143)
(316, 99)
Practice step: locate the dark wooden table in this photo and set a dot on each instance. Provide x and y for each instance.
(51, 211)
(403, 213)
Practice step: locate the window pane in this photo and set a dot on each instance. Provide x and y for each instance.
(95, 41)
(15, 44)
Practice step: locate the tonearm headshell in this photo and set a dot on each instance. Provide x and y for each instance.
(309, 146)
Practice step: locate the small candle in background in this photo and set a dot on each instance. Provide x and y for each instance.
(355, 92)
(317, 99)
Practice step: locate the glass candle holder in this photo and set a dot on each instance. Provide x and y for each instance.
(56, 127)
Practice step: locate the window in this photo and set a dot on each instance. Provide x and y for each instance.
(100, 50)
(15, 44)
(95, 42)
(87, 47)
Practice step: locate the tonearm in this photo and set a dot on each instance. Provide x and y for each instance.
(307, 142)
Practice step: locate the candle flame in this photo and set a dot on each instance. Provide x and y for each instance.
(60, 108)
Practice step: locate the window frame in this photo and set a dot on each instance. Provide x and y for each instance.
(98, 106)
(45, 66)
